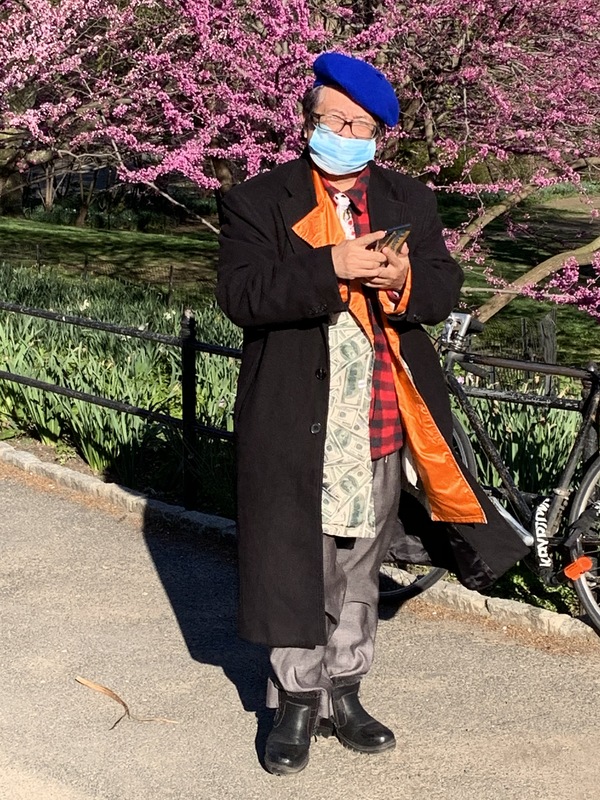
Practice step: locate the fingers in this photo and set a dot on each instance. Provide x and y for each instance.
(354, 258)
(369, 238)
(396, 258)
(395, 274)
(350, 260)
(371, 257)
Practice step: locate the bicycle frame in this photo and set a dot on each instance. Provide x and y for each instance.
(455, 341)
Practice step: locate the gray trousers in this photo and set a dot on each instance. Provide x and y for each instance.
(351, 596)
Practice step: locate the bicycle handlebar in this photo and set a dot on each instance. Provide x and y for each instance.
(460, 326)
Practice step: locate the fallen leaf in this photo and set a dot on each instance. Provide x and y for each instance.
(98, 687)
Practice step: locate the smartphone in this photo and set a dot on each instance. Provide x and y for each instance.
(394, 238)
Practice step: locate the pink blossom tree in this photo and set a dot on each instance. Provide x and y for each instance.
(499, 98)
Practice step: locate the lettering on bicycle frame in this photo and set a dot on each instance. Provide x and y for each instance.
(540, 527)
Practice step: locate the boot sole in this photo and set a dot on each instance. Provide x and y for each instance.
(380, 748)
(282, 769)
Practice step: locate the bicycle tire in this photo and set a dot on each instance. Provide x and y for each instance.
(588, 586)
(399, 581)
(462, 447)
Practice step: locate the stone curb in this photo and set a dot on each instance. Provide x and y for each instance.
(508, 612)
(451, 595)
(118, 496)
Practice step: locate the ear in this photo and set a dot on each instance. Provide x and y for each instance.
(306, 129)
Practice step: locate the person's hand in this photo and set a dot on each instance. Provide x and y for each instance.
(351, 258)
(392, 276)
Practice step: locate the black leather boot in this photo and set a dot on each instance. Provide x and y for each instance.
(354, 727)
(294, 725)
(325, 728)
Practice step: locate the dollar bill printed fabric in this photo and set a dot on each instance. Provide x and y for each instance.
(347, 501)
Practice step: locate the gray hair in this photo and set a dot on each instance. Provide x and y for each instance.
(310, 102)
(309, 105)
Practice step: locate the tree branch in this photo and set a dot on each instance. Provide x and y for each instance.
(474, 229)
(583, 255)
(166, 195)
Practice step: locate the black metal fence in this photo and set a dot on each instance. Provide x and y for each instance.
(188, 345)
(186, 342)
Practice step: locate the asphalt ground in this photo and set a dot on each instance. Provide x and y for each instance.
(480, 711)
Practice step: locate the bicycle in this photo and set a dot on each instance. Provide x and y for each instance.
(563, 528)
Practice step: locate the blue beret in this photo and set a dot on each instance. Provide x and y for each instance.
(362, 82)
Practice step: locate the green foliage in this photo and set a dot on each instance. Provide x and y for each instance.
(566, 189)
(519, 583)
(58, 215)
(123, 447)
(534, 444)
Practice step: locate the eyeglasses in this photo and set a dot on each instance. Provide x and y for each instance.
(359, 128)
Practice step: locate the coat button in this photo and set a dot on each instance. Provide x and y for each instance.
(320, 374)
(315, 427)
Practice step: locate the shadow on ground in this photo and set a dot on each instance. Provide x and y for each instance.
(199, 578)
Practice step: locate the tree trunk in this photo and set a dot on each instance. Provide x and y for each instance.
(82, 215)
(11, 192)
(223, 174)
(473, 230)
(85, 198)
(225, 177)
(49, 194)
(583, 255)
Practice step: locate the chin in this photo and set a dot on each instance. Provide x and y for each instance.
(345, 175)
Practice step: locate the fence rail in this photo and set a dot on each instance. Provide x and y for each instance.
(189, 346)
(137, 333)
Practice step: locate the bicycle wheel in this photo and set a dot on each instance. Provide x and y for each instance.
(586, 498)
(462, 447)
(399, 581)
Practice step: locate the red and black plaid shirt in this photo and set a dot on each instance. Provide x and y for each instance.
(385, 426)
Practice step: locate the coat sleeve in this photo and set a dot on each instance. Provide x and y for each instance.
(260, 281)
(436, 276)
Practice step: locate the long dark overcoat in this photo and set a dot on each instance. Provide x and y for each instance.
(281, 290)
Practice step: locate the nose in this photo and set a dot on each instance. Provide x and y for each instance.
(346, 130)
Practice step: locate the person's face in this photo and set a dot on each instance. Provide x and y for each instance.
(332, 101)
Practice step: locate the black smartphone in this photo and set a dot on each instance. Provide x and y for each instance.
(394, 238)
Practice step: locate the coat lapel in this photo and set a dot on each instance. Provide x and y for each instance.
(300, 201)
(386, 208)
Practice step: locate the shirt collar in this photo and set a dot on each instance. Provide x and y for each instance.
(357, 194)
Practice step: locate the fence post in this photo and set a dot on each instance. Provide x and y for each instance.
(188, 404)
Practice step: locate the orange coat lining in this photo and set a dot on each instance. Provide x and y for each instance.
(451, 499)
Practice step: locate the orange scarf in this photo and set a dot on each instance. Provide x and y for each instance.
(450, 497)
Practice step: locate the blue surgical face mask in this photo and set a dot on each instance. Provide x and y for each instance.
(338, 155)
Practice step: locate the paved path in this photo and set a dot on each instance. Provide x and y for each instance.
(86, 591)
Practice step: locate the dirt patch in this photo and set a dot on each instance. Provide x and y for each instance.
(499, 630)
(577, 205)
(63, 455)
(8, 472)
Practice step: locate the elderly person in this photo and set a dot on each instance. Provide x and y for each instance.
(340, 391)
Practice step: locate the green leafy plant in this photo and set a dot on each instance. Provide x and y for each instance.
(534, 444)
(122, 447)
